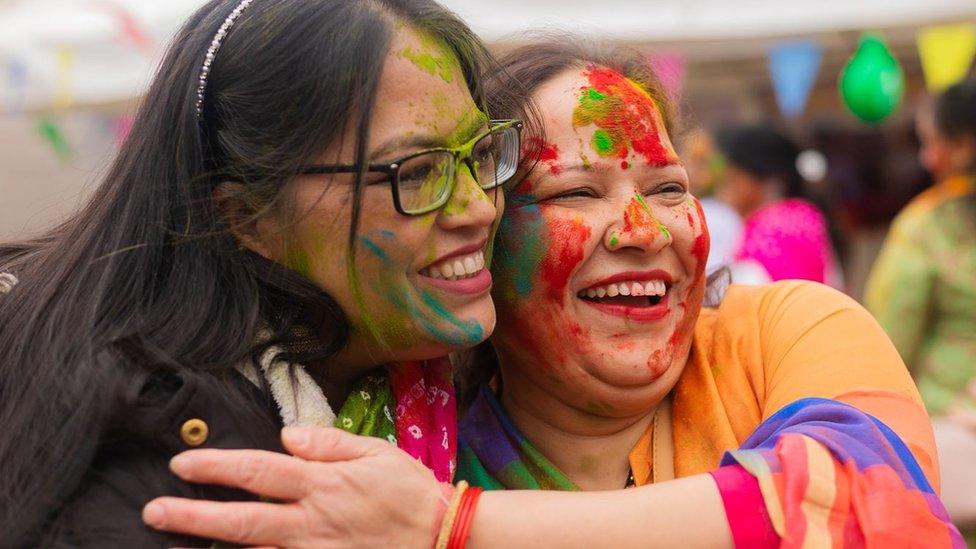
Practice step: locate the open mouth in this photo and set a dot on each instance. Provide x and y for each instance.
(635, 294)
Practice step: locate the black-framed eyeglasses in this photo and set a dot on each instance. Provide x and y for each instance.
(424, 181)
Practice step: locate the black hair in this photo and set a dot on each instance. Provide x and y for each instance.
(147, 274)
(955, 111)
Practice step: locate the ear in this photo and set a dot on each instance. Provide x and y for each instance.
(256, 230)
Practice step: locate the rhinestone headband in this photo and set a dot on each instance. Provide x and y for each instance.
(212, 52)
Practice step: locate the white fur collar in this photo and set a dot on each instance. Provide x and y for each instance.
(300, 400)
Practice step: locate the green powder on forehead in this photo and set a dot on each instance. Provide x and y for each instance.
(433, 57)
(602, 143)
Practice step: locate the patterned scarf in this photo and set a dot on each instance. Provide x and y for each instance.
(412, 406)
(495, 455)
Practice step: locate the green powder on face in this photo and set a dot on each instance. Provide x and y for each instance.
(640, 200)
(434, 57)
(664, 230)
(614, 240)
(602, 143)
(299, 261)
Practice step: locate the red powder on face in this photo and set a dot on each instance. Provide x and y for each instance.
(537, 150)
(639, 222)
(696, 294)
(566, 241)
(625, 115)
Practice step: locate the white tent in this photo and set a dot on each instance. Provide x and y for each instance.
(57, 53)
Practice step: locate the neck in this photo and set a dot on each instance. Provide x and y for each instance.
(592, 450)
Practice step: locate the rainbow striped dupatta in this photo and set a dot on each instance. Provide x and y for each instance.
(833, 476)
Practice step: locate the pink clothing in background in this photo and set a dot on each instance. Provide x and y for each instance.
(790, 240)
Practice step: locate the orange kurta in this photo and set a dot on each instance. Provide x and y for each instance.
(767, 346)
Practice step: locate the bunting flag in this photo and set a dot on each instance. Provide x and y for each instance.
(946, 53)
(16, 86)
(670, 70)
(132, 30)
(51, 132)
(793, 67)
(64, 95)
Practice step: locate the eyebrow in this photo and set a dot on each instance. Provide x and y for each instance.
(583, 168)
(428, 141)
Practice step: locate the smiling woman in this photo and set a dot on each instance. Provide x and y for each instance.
(295, 233)
(782, 416)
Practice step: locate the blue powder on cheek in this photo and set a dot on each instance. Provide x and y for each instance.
(375, 249)
(472, 331)
(519, 264)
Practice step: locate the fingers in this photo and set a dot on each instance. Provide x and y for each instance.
(323, 444)
(248, 523)
(264, 473)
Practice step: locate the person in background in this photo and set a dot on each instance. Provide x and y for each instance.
(706, 168)
(923, 286)
(784, 231)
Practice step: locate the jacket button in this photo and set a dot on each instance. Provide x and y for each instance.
(194, 432)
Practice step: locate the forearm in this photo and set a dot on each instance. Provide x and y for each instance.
(682, 513)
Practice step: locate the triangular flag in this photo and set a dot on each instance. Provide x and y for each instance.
(670, 71)
(793, 67)
(51, 132)
(946, 52)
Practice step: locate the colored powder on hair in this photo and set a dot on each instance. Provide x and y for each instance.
(626, 116)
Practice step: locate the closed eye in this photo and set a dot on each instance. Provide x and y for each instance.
(583, 192)
(669, 188)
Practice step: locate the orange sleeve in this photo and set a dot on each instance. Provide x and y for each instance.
(818, 342)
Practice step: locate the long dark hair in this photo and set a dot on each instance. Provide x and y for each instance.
(532, 65)
(147, 274)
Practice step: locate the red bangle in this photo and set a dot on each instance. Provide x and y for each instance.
(465, 516)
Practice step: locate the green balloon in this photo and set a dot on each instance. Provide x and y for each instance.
(872, 84)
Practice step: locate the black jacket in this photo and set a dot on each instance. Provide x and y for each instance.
(175, 411)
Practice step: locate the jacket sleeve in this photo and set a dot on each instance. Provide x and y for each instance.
(132, 464)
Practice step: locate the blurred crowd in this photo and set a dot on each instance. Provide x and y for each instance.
(770, 220)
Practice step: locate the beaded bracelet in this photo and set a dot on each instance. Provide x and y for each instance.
(447, 523)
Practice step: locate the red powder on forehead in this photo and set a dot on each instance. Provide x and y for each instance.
(566, 241)
(625, 115)
(537, 150)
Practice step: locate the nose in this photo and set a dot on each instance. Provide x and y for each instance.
(638, 228)
(469, 204)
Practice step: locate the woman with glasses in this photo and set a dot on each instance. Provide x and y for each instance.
(776, 415)
(294, 233)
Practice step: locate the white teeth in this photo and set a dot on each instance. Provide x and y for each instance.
(454, 269)
(649, 288)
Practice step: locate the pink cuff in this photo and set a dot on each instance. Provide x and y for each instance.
(745, 508)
